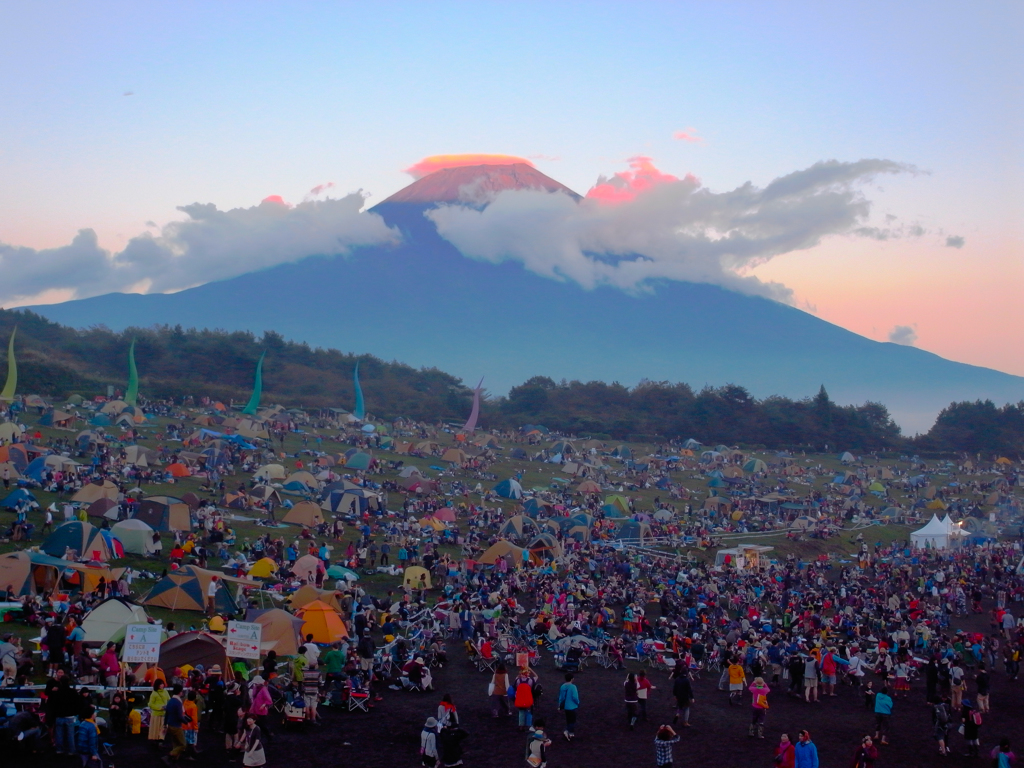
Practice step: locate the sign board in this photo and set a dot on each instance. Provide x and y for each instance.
(522, 660)
(243, 639)
(142, 643)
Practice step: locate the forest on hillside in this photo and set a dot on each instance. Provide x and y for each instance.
(173, 362)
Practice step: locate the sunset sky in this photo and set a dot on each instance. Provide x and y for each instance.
(115, 114)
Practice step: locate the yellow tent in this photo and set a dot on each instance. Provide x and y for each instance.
(96, 491)
(415, 576)
(305, 513)
(432, 522)
(322, 622)
(263, 568)
(1003, 460)
(936, 504)
(500, 549)
(307, 594)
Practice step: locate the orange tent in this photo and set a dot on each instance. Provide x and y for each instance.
(322, 622)
(177, 469)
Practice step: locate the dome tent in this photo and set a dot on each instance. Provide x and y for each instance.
(135, 536)
(107, 621)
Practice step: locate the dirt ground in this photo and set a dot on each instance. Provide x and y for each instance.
(389, 735)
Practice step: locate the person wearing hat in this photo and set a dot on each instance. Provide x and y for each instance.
(428, 743)
(215, 690)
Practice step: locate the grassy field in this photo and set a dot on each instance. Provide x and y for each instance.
(534, 476)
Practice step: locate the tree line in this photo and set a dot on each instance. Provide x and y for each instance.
(174, 362)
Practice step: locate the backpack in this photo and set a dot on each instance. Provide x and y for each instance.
(941, 715)
(976, 718)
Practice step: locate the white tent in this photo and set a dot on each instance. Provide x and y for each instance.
(107, 621)
(935, 535)
(135, 536)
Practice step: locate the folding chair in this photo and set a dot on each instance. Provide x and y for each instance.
(359, 702)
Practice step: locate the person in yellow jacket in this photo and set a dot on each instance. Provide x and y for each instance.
(157, 705)
(737, 680)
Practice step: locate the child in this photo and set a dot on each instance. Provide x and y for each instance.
(663, 746)
(191, 726)
(536, 748)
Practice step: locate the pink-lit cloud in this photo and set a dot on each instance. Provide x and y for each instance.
(276, 199)
(624, 186)
(434, 163)
(321, 188)
(690, 134)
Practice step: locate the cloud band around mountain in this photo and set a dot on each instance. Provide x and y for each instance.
(643, 225)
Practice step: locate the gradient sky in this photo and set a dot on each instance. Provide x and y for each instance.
(232, 102)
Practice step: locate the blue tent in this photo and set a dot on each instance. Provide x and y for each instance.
(14, 498)
(35, 469)
(509, 489)
(100, 420)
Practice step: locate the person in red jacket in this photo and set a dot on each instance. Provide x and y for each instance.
(785, 753)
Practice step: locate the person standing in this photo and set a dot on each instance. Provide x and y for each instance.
(569, 703)
(629, 695)
(759, 691)
(537, 746)
(211, 595)
(971, 719)
(785, 756)
(683, 692)
(523, 691)
(810, 679)
(174, 722)
(940, 724)
(866, 754)
(983, 683)
(737, 679)
(253, 752)
(805, 754)
(498, 691)
(157, 705)
(663, 742)
(883, 713)
(643, 688)
(428, 743)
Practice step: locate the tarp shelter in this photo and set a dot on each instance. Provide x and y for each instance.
(742, 557)
(509, 489)
(501, 549)
(107, 508)
(136, 537)
(164, 513)
(322, 622)
(519, 528)
(107, 621)
(184, 589)
(935, 535)
(305, 513)
(280, 631)
(27, 573)
(306, 594)
(415, 576)
(91, 492)
(193, 649)
(633, 530)
(83, 538)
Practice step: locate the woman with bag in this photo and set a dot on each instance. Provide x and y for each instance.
(428, 743)
(865, 755)
(252, 744)
(497, 689)
(785, 753)
(971, 727)
(759, 690)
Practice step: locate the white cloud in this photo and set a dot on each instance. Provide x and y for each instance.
(209, 245)
(903, 334)
(653, 226)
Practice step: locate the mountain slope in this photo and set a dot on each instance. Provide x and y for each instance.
(425, 304)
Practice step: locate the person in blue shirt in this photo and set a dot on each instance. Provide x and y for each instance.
(569, 702)
(883, 712)
(805, 754)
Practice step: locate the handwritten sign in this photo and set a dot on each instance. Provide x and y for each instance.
(522, 660)
(244, 639)
(142, 643)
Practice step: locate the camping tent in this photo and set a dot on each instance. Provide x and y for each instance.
(502, 549)
(455, 456)
(280, 631)
(193, 649)
(415, 575)
(633, 530)
(588, 486)
(135, 536)
(306, 594)
(263, 568)
(545, 547)
(107, 508)
(322, 622)
(107, 621)
(164, 513)
(519, 528)
(95, 491)
(83, 538)
(185, 589)
(16, 573)
(936, 534)
(755, 465)
(509, 489)
(270, 472)
(305, 513)
(306, 568)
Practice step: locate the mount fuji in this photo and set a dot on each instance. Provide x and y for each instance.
(425, 303)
